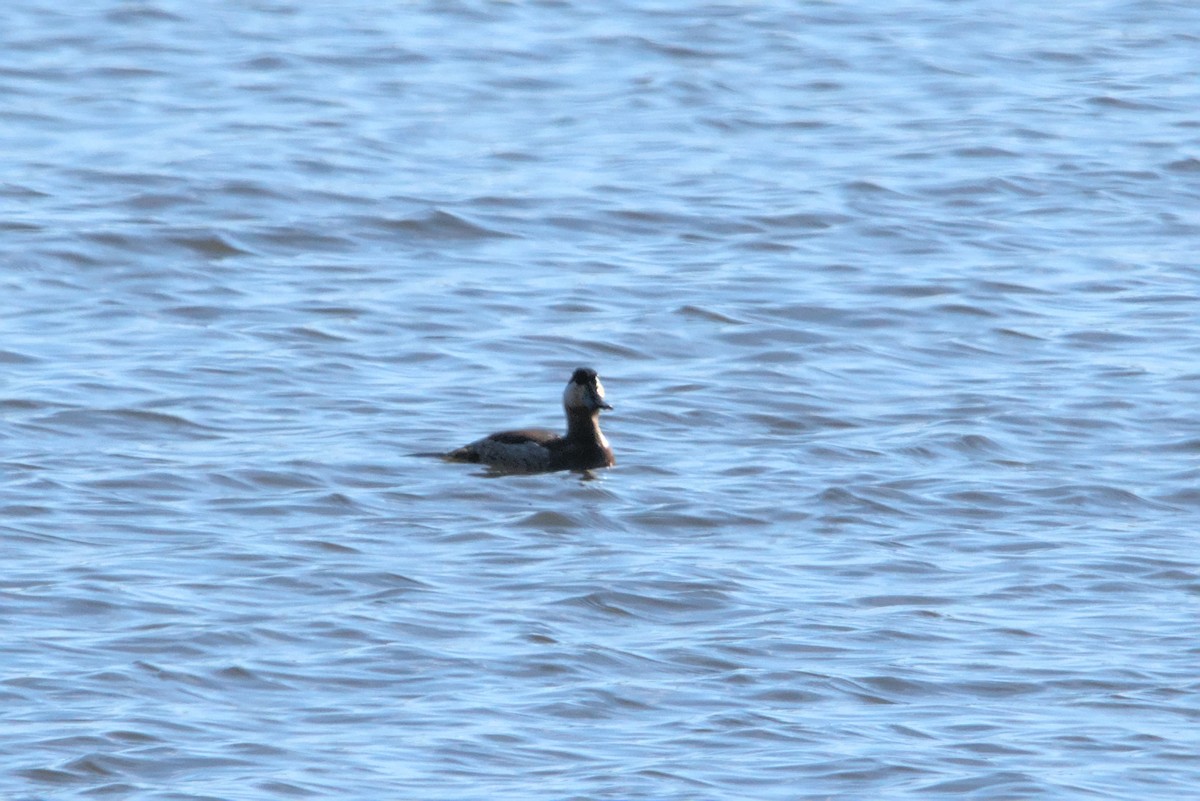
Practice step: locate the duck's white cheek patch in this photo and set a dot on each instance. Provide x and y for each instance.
(599, 389)
(573, 395)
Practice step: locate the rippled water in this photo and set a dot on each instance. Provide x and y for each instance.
(897, 305)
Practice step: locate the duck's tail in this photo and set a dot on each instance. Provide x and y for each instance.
(457, 455)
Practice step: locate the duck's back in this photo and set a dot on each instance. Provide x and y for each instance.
(527, 449)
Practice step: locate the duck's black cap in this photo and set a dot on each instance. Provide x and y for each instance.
(583, 375)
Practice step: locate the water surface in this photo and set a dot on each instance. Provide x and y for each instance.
(897, 308)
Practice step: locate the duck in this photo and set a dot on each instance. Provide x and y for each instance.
(536, 450)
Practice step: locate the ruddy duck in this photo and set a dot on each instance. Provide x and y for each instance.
(534, 450)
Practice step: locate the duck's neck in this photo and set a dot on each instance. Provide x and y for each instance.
(583, 426)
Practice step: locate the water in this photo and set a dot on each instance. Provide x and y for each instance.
(896, 305)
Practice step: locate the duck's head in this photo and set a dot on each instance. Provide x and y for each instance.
(584, 391)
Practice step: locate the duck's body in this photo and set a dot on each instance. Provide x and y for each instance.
(583, 447)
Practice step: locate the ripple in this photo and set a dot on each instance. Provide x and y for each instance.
(122, 419)
(903, 374)
(440, 225)
(207, 244)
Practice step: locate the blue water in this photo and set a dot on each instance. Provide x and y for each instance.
(897, 305)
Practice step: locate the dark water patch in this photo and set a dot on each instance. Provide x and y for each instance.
(330, 547)
(294, 240)
(758, 335)
(913, 291)
(51, 776)
(15, 227)
(251, 478)
(1123, 104)
(1093, 338)
(200, 314)
(248, 189)
(974, 444)
(1093, 494)
(308, 332)
(708, 315)
(964, 309)
(989, 784)
(800, 221)
(868, 188)
(767, 246)
(1017, 334)
(901, 600)
(1185, 166)
(634, 605)
(439, 225)
(984, 152)
(17, 510)
(289, 789)
(123, 420)
(207, 244)
(552, 521)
